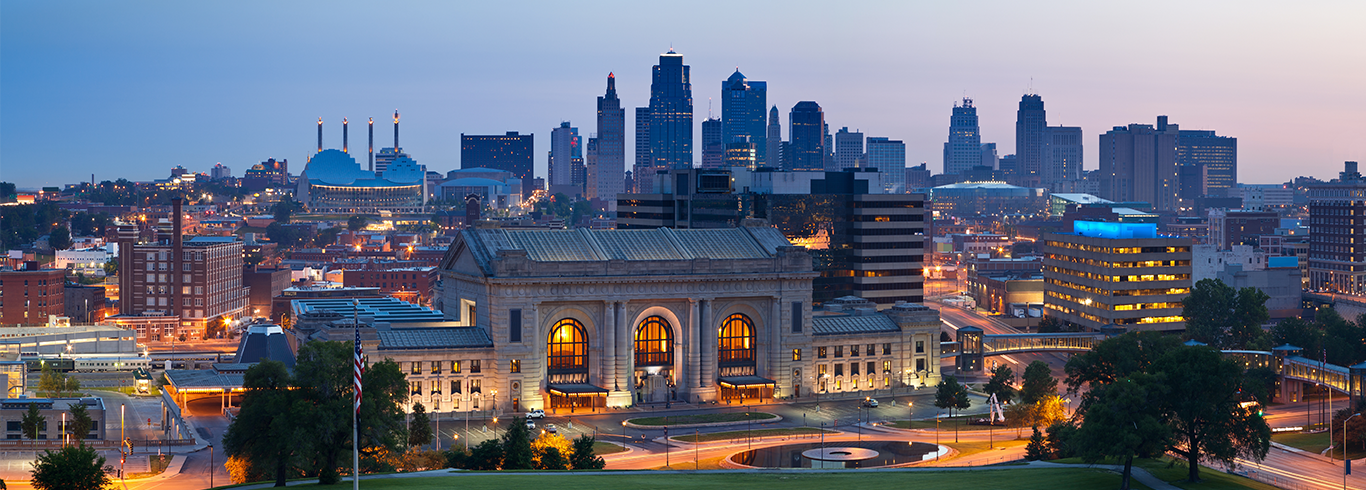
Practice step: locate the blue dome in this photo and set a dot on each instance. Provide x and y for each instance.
(404, 170)
(335, 167)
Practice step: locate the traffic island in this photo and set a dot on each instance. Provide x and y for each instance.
(703, 420)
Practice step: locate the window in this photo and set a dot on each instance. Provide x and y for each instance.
(886, 367)
(837, 384)
(436, 367)
(455, 387)
(820, 352)
(515, 366)
(474, 366)
(839, 370)
(515, 325)
(853, 350)
(853, 369)
(796, 354)
(821, 371)
(839, 351)
(886, 349)
(886, 381)
(474, 386)
(417, 367)
(654, 342)
(455, 367)
(13, 425)
(415, 387)
(872, 349)
(920, 347)
(567, 347)
(796, 315)
(870, 367)
(736, 341)
(919, 365)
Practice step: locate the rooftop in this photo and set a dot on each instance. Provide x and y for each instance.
(433, 338)
(389, 310)
(584, 245)
(838, 324)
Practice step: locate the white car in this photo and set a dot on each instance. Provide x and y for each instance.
(535, 413)
(530, 424)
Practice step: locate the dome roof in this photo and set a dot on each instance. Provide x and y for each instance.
(404, 170)
(335, 167)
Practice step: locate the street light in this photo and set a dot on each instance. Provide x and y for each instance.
(1346, 463)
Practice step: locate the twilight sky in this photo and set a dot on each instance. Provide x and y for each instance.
(130, 89)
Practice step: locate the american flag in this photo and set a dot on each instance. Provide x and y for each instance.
(360, 368)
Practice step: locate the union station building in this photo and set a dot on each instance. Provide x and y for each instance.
(594, 318)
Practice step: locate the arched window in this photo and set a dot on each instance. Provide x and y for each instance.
(568, 346)
(654, 343)
(736, 341)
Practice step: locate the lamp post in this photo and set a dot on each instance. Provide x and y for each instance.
(936, 436)
(623, 433)
(1346, 463)
(211, 466)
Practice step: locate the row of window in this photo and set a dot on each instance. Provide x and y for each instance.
(458, 386)
(1115, 250)
(1120, 265)
(454, 367)
(822, 351)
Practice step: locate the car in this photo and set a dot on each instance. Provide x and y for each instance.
(535, 413)
(530, 424)
(550, 428)
(868, 403)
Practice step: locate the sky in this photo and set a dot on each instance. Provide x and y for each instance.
(131, 89)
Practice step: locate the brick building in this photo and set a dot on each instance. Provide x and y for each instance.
(413, 284)
(29, 295)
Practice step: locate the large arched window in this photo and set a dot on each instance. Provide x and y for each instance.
(736, 341)
(654, 343)
(568, 347)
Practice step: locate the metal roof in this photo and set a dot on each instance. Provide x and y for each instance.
(433, 338)
(661, 244)
(852, 324)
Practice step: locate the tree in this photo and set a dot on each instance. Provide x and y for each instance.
(60, 238)
(551, 452)
(1260, 383)
(75, 467)
(326, 236)
(215, 327)
(1117, 358)
(53, 384)
(79, 425)
(946, 394)
(1209, 311)
(585, 458)
(1250, 313)
(1051, 325)
(33, 422)
(420, 428)
(487, 456)
(1123, 422)
(111, 267)
(517, 453)
(1037, 383)
(356, 223)
(1298, 333)
(264, 434)
(284, 210)
(1037, 449)
(1201, 402)
(999, 384)
(1060, 438)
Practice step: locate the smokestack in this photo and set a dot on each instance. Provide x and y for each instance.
(372, 144)
(344, 135)
(395, 130)
(176, 256)
(320, 134)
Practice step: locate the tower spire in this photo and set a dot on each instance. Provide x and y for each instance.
(395, 130)
(320, 134)
(372, 144)
(345, 135)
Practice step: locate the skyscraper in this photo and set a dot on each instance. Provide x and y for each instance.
(510, 152)
(1031, 125)
(713, 148)
(606, 174)
(564, 148)
(1335, 209)
(743, 105)
(671, 113)
(773, 141)
(888, 156)
(963, 150)
(1214, 158)
(807, 137)
(1138, 163)
(989, 157)
(848, 149)
(1062, 156)
(643, 173)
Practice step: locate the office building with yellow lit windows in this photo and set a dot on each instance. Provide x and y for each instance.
(1116, 275)
(586, 319)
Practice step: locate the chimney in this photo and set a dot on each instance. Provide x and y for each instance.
(127, 237)
(176, 257)
(395, 130)
(344, 136)
(372, 144)
(320, 134)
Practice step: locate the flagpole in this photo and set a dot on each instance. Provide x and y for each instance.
(355, 424)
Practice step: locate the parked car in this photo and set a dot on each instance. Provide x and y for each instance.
(535, 413)
(550, 428)
(530, 424)
(869, 403)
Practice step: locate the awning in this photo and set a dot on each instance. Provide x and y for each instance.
(744, 381)
(576, 389)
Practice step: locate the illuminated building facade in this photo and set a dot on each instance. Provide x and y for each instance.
(1116, 274)
(671, 126)
(333, 182)
(1337, 234)
(511, 152)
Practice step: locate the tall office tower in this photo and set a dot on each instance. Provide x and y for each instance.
(1116, 274)
(773, 142)
(671, 113)
(607, 178)
(590, 168)
(807, 141)
(644, 167)
(1006, 164)
(888, 156)
(829, 161)
(578, 174)
(713, 149)
(917, 177)
(219, 172)
(740, 152)
(1214, 157)
(1336, 211)
(848, 149)
(511, 152)
(1138, 163)
(963, 150)
(1031, 125)
(564, 148)
(989, 158)
(743, 108)
(1062, 155)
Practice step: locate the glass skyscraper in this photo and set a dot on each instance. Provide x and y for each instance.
(1031, 126)
(671, 128)
(963, 150)
(807, 135)
(511, 152)
(743, 112)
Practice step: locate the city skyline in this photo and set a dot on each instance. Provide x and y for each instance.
(140, 89)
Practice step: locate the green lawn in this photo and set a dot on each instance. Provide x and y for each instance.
(947, 424)
(704, 418)
(1013, 478)
(1175, 474)
(1316, 443)
(600, 448)
(736, 434)
(971, 448)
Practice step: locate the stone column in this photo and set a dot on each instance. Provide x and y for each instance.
(621, 338)
(607, 365)
(775, 341)
(693, 352)
(705, 326)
